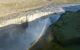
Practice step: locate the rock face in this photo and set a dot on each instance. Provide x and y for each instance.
(13, 6)
(28, 16)
(67, 29)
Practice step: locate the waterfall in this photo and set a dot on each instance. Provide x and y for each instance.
(14, 37)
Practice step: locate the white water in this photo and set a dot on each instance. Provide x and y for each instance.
(39, 20)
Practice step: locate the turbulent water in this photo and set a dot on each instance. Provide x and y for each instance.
(22, 30)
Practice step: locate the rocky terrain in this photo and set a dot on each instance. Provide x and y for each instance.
(14, 6)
